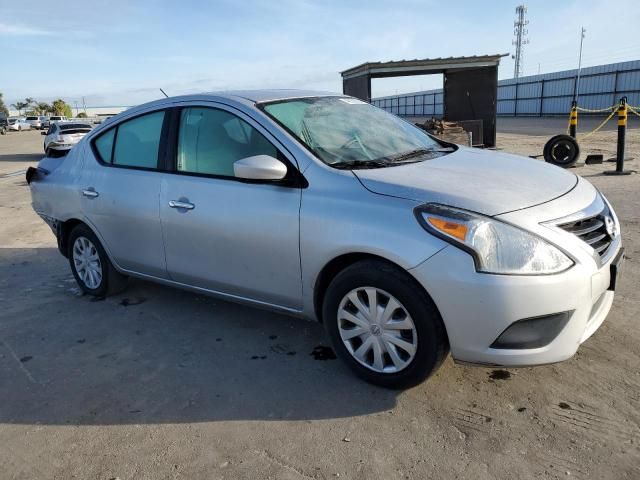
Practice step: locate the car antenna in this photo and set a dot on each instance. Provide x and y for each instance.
(167, 96)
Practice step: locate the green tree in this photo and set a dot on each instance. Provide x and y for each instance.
(82, 115)
(42, 108)
(3, 107)
(60, 107)
(19, 106)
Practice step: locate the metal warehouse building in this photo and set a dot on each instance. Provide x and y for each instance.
(537, 95)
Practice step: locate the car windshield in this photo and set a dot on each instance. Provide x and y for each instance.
(346, 132)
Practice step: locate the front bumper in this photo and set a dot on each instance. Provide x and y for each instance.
(476, 307)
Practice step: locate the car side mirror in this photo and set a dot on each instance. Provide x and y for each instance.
(260, 167)
(43, 133)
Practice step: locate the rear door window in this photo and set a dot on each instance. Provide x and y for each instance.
(104, 145)
(134, 143)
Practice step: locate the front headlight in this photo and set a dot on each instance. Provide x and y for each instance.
(496, 247)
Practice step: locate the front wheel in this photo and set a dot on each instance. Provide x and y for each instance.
(91, 266)
(384, 325)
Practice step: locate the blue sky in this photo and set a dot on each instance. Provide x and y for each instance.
(120, 52)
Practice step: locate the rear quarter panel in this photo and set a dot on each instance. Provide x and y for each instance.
(57, 194)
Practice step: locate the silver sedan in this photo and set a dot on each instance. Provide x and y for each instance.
(325, 207)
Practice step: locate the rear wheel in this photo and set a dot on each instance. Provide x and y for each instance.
(384, 325)
(91, 266)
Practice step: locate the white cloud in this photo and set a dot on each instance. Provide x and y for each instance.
(22, 30)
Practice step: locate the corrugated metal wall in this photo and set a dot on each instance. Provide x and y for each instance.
(538, 95)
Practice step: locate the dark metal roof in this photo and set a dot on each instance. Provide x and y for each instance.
(430, 65)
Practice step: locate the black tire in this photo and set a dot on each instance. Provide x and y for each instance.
(3, 131)
(432, 344)
(562, 150)
(112, 281)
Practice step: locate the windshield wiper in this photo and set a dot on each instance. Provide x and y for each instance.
(416, 153)
(354, 164)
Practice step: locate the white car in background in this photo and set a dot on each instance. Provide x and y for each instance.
(35, 122)
(62, 136)
(57, 118)
(18, 124)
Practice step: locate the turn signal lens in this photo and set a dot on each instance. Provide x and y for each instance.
(456, 230)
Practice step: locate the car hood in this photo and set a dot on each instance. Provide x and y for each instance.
(482, 181)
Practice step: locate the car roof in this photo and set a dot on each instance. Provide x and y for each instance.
(244, 96)
(247, 97)
(267, 95)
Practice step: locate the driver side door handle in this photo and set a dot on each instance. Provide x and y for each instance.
(90, 192)
(179, 204)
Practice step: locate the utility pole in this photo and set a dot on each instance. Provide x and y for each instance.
(76, 102)
(520, 33)
(577, 88)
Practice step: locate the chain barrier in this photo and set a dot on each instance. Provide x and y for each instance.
(634, 110)
(596, 110)
(573, 118)
(582, 137)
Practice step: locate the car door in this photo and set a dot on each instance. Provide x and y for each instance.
(120, 188)
(235, 237)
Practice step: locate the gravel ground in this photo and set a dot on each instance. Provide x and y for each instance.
(156, 383)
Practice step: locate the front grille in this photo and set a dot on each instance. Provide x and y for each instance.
(592, 230)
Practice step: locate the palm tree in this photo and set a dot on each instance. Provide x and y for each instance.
(42, 108)
(19, 106)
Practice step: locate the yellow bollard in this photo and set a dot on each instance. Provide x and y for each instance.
(573, 119)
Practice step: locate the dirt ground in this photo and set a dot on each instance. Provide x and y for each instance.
(157, 383)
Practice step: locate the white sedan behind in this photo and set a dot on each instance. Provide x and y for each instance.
(18, 124)
(62, 136)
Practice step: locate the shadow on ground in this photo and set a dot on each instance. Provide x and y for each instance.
(22, 157)
(157, 355)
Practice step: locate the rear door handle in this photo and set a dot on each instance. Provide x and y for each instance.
(179, 204)
(90, 192)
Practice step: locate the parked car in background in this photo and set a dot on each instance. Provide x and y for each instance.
(57, 118)
(45, 123)
(18, 124)
(100, 120)
(35, 121)
(404, 246)
(62, 136)
(4, 125)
